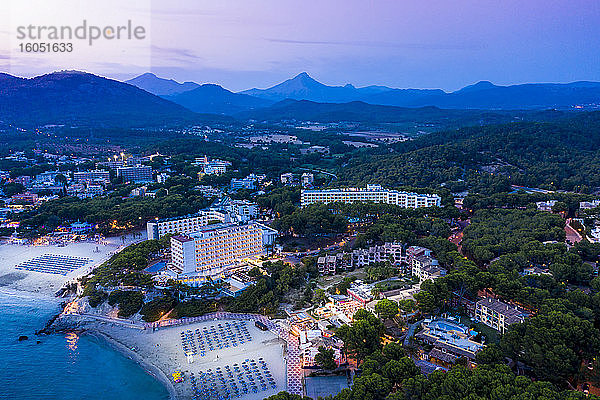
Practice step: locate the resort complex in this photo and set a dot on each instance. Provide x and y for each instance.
(300, 200)
(208, 251)
(372, 193)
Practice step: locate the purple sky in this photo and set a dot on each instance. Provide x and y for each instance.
(401, 43)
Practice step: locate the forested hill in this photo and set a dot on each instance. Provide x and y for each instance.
(76, 98)
(560, 155)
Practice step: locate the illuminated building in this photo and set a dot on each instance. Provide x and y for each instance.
(372, 193)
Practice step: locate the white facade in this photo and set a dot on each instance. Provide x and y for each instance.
(182, 249)
(390, 251)
(498, 315)
(162, 177)
(307, 179)
(372, 193)
(545, 205)
(218, 246)
(140, 173)
(93, 175)
(426, 268)
(212, 167)
(586, 205)
(244, 210)
(183, 225)
(287, 178)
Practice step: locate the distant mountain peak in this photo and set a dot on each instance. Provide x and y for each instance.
(484, 84)
(481, 95)
(160, 86)
(481, 85)
(303, 78)
(215, 99)
(149, 75)
(303, 75)
(79, 98)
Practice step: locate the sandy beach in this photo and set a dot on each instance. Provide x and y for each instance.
(11, 255)
(160, 353)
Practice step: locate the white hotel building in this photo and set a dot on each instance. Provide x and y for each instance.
(209, 251)
(372, 193)
(184, 225)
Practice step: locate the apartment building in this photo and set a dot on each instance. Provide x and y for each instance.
(287, 178)
(208, 191)
(424, 270)
(372, 193)
(137, 174)
(391, 252)
(210, 250)
(113, 165)
(212, 167)
(586, 205)
(27, 197)
(185, 224)
(244, 210)
(84, 191)
(48, 176)
(96, 175)
(360, 292)
(329, 265)
(498, 315)
(162, 177)
(307, 180)
(422, 264)
(250, 182)
(545, 205)
(416, 251)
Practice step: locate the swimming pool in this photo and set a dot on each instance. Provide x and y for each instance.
(447, 326)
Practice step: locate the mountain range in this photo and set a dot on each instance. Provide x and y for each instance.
(83, 99)
(305, 110)
(482, 95)
(161, 86)
(78, 98)
(211, 98)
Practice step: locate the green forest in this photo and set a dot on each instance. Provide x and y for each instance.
(552, 155)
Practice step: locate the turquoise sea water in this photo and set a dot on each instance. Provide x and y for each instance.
(65, 366)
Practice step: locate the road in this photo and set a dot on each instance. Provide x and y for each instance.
(572, 235)
(319, 171)
(123, 322)
(295, 258)
(411, 332)
(427, 367)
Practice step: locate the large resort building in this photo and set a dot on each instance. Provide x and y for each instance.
(372, 193)
(222, 210)
(212, 249)
(135, 174)
(184, 225)
(91, 176)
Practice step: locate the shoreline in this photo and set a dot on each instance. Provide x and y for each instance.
(50, 284)
(32, 295)
(88, 328)
(159, 353)
(154, 371)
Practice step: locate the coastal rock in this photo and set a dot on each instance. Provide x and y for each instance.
(23, 337)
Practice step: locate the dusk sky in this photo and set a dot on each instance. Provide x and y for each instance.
(425, 44)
